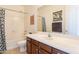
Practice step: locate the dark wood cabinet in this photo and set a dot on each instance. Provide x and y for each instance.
(57, 51)
(28, 45)
(35, 42)
(44, 49)
(36, 47)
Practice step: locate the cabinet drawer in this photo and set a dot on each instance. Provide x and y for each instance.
(45, 47)
(35, 42)
(57, 51)
(41, 51)
(35, 49)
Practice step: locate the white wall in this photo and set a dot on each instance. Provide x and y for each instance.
(72, 19)
(77, 21)
(14, 25)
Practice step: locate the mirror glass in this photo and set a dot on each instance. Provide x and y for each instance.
(59, 18)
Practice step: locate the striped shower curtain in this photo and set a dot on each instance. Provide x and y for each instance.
(2, 31)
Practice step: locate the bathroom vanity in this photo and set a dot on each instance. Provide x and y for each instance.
(41, 44)
(36, 47)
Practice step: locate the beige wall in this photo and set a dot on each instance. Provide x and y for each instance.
(31, 10)
(18, 23)
(13, 7)
(46, 11)
(39, 23)
(14, 25)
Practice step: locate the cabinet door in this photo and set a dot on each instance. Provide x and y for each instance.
(34, 49)
(35, 42)
(29, 47)
(41, 51)
(45, 48)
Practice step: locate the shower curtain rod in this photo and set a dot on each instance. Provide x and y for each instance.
(14, 10)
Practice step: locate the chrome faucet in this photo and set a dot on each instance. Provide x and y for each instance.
(49, 35)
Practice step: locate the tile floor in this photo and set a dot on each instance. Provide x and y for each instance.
(14, 51)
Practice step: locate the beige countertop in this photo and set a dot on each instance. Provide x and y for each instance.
(62, 42)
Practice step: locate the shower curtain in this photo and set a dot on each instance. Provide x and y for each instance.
(2, 31)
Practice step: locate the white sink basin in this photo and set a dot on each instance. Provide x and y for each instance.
(45, 37)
